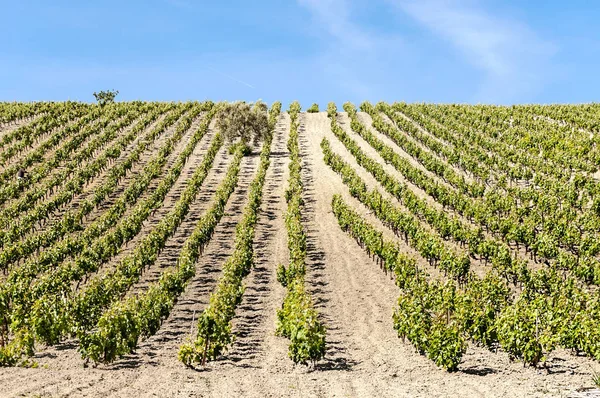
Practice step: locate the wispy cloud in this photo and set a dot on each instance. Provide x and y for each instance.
(353, 52)
(334, 16)
(506, 49)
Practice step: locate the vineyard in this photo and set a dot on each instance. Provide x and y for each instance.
(373, 250)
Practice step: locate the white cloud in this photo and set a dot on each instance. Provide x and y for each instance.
(512, 55)
(354, 57)
(334, 16)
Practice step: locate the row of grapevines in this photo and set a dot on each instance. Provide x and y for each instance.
(18, 292)
(13, 229)
(428, 244)
(430, 162)
(463, 146)
(586, 117)
(55, 116)
(476, 129)
(502, 131)
(11, 112)
(554, 177)
(297, 319)
(122, 325)
(72, 220)
(459, 149)
(558, 143)
(463, 159)
(438, 318)
(45, 179)
(485, 211)
(214, 325)
(101, 247)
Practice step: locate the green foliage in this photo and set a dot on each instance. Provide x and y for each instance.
(147, 310)
(314, 108)
(248, 123)
(297, 319)
(106, 96)
(282, 275)
(331, 110)
(527, 331)
(596, 379)
(295, 108)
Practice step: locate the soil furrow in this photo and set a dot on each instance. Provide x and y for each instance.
(256, 345)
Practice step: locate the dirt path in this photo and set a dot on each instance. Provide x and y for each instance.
(256, 345)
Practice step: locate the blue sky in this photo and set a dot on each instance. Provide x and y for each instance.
(307, 50)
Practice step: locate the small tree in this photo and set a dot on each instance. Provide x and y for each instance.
(314, 108)
(244, 122)
(105, 97)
